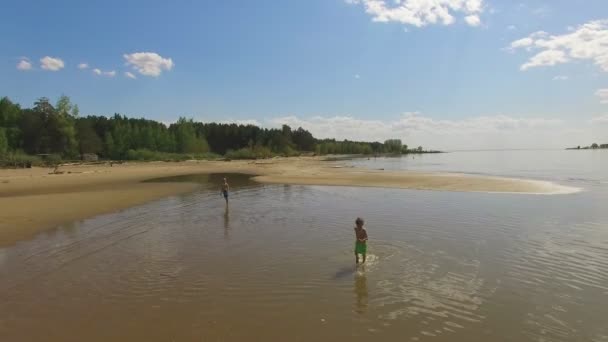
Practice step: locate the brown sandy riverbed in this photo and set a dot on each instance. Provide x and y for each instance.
(32, 199)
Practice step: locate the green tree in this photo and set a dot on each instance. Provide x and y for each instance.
(595, 145)
(10, 117)
(393, 146)
(62, 131)
(44, 106)
(88, 140)
(65, 107)
(110, 150)
(9, 113)
(63, 135)
(303, 140)
(186, 138)
(46, 130)
(120, 135)
(33, 131)
(3, 142)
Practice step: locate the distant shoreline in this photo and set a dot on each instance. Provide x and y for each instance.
(592, 147)
(34, 200)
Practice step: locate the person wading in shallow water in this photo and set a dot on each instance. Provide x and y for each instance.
(225, 188)
(361, 242)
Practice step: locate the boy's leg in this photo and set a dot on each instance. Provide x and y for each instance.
(356, 258)
(364, 255)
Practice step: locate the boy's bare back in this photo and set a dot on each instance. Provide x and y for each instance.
(361, 234)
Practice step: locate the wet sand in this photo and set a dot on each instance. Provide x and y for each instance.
(33, 200)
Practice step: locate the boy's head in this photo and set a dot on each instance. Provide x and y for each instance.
(359, 222)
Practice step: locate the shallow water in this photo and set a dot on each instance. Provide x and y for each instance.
(277, 264)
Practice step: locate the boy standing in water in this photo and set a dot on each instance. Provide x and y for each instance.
(225, 188)
(361, 243)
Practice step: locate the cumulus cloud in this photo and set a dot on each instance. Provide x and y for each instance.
(603, 95)
(83, 66)
(130, 75)
(51, 63)
(24, 65)
(472, 20)
(586, 42)
(499, 131)
(104, 73)
(524, 42)
(546, 58)
(148, 63)
(560, 78)
(422, 12)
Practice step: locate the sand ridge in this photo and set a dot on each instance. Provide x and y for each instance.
(32, 200)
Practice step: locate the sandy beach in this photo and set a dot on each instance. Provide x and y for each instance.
(34, 199)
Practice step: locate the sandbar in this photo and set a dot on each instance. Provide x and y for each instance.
(32, 200)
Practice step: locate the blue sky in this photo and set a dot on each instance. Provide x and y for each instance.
(359, 69)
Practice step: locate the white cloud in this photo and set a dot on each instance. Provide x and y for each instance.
(546, 58)
(511, 27)
(83, 66)
(472, 20)
(599, 120)
(423, 12)
(499, 131)
(130, 75)
(51, 63)
(24, 65)
(357, 76)
(104, 73)
(527, 42)
(148, 63)
(586, 42)
(560, 78)
(524, 42)
(603, 95)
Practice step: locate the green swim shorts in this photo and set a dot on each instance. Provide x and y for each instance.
(360, 247)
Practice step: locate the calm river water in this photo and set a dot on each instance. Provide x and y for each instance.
(277, 263)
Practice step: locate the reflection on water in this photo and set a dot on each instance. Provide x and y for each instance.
(361, 292)
(345, 272)
(277, 264)
(227, 221)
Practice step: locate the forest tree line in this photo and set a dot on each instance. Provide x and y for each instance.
(58, 130)
(592, 147)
